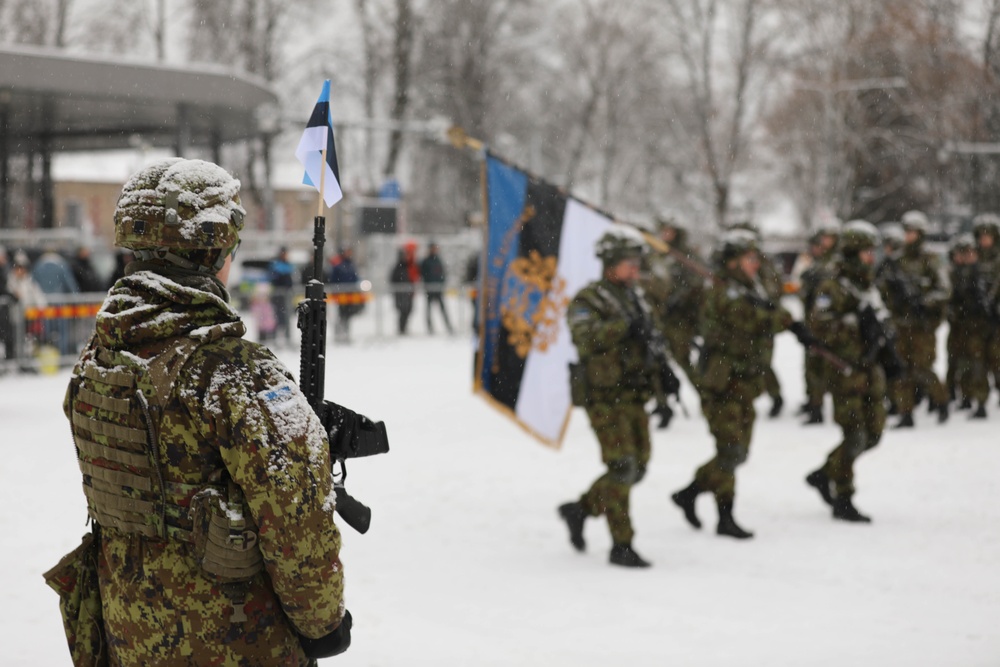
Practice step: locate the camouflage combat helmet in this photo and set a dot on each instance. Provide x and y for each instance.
(892, 234)
(746, 226)
(963, 242)
(735, 243)
(619, 244)
(858, 235)
(178, 209)
(915, 220)
(986, 223)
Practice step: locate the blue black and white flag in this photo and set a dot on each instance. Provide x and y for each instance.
(317, 138)
(539, 252)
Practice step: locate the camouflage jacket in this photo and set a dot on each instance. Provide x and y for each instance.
(915, 289)
(674, 291)
(737, 329)
(969, 295)
(822, 268)
(615, 363)
(835, 317)
(234, 414)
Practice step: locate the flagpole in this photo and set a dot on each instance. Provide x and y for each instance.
(322, 185)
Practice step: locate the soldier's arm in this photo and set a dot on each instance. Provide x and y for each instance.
(275, 449)
(592, 329)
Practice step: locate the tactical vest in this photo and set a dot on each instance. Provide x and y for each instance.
(117, 401)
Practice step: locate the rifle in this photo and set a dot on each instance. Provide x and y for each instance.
(904, 292)
(705, 272)
(665, 382)
(880, 342)
(351, 435)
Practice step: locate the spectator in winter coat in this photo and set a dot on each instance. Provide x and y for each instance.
(54, 276)
(433, 274)
(403, 279)
(343, 274)
(83, 271)
(282, 278)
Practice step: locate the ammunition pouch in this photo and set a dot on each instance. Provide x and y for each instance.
(225, 543)
(578, 384)
(75, 579)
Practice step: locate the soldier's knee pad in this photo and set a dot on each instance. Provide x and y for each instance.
(640, 472)
(731, 456)
(624, 470)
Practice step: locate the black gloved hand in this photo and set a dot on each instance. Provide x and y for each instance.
(329, 645)
(665, 413)
(802, 334)
(638, 328)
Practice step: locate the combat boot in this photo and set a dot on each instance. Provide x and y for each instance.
(819, 480)
(574, 515)
(814, 415)
(966, 403)
(727, 524)
(905, 421)
(776, 406)
(980, 412)
(845, 510)
(625, 555)
(942, 411)
(685, 500)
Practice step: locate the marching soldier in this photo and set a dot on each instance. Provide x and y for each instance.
(819, 266)
(675, 293)
(610, 325)
(206, 472)
(969, 330)
(738, 324)
(849, 317)
(916, 292)
(986, 228)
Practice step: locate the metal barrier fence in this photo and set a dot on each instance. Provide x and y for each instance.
(51, 337)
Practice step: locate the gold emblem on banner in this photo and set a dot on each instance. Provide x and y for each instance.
(533, 303)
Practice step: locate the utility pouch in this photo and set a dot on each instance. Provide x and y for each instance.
(578, 384)
(225, 543)
(75, 579)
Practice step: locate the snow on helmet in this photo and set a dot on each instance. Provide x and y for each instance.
(988, 223)
(619, 243)
(963, 242)
(735, 243)
(915, 220)
(176, 206)
(892, 234)
(858, 235)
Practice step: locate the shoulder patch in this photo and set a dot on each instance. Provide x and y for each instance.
(823, 301)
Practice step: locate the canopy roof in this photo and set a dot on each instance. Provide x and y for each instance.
(87, 103)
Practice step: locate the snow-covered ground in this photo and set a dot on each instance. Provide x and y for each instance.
(467, 563)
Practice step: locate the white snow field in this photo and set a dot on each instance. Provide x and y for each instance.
(467, 562)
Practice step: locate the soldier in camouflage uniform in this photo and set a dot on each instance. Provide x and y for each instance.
(738, 324)
(916, 291)
(771, 279)
(607, 324)
(986, 228)
(675, 293)
(821, 265)
(838, 317)
(206, 472)
(969, 326)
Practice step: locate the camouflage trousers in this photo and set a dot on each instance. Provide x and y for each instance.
(817, 372)
(859, 410)
(771, 384)
(967, 359)
(622, 429)
(993, 356)
(917, 347)
(730, 417)
(680, 338)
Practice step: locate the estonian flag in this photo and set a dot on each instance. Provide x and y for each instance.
(319, 136)
(539, 253)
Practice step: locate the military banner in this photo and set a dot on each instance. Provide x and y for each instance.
(539, 252)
